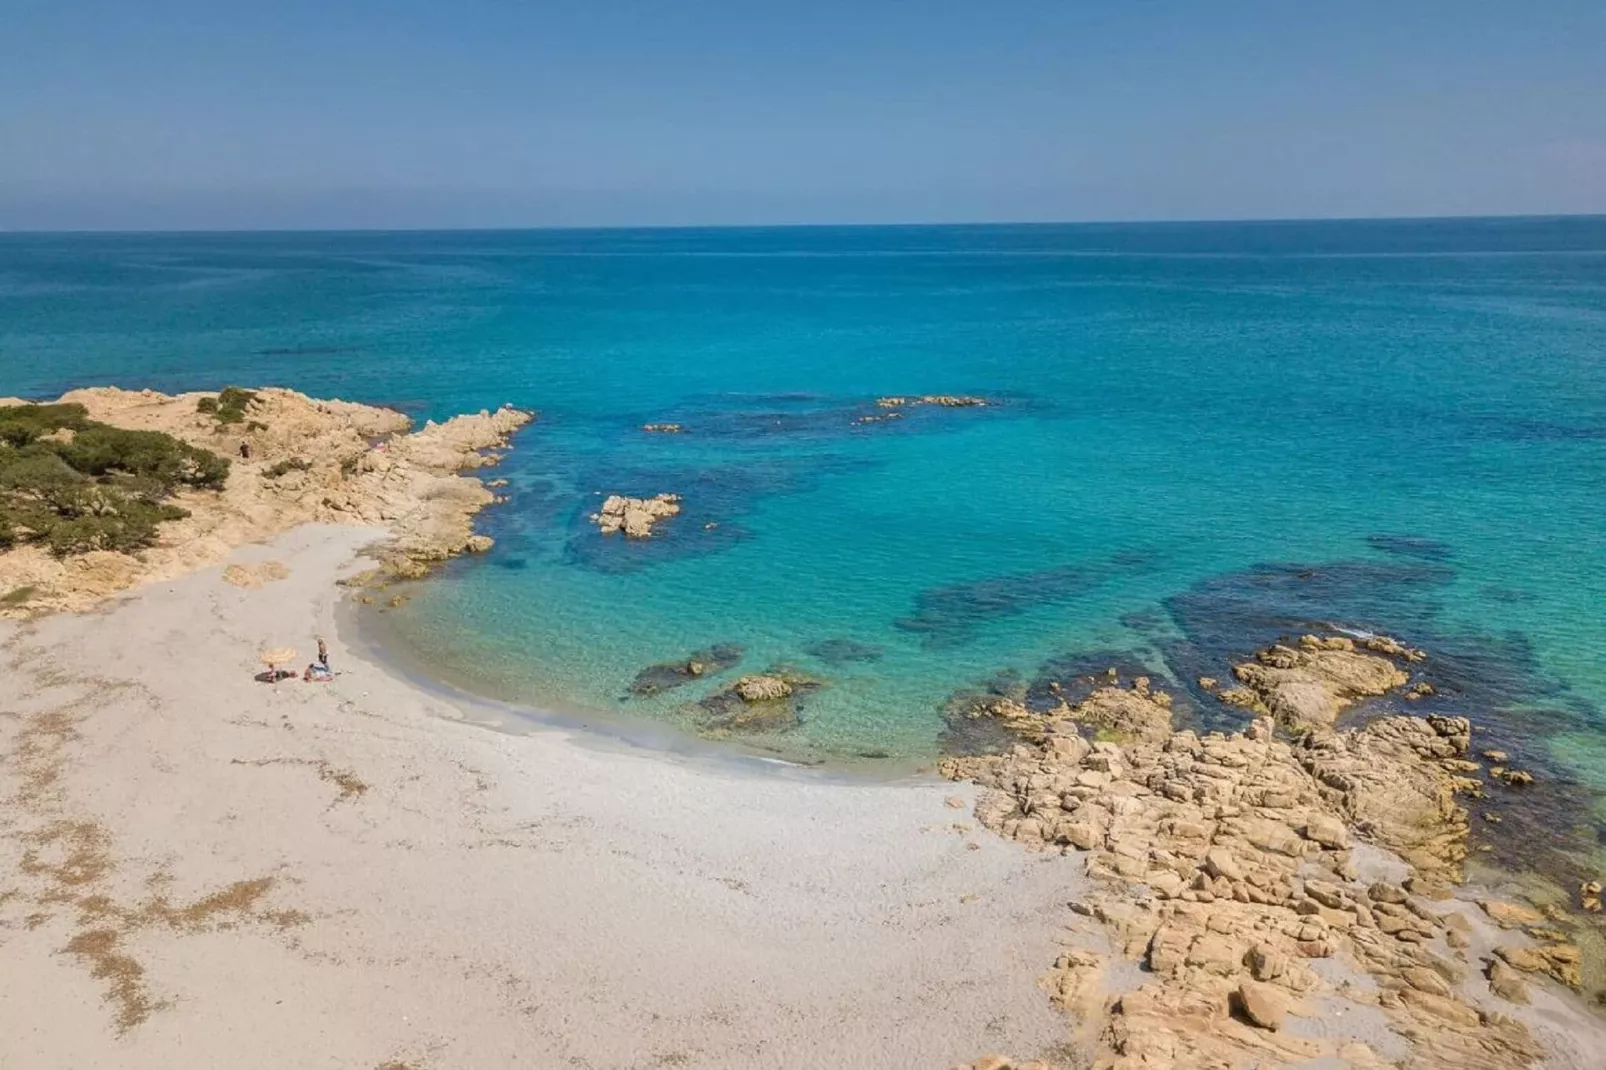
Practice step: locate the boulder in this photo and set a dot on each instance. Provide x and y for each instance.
(762, 688)
(635, 517)
(1506, 982)
(1327, 831)
(1510, 915)
(1262, 1004)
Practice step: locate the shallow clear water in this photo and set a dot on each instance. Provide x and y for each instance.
(1206, 435)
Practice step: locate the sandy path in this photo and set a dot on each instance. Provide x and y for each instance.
(198, 870)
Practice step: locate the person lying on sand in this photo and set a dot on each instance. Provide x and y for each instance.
(317, 672)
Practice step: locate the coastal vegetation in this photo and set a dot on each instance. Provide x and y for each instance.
(74, 485)
(228, 406)
(100, 469)
(288, 465)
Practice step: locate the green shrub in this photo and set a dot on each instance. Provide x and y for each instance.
(22, 424)
(106, 489)
(99, 449)
(133, 528)
(229, 406)
(294, 464)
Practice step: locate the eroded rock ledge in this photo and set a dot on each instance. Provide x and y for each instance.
(296, 460)
(1229, 867)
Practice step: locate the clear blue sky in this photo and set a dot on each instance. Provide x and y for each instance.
(217, 113)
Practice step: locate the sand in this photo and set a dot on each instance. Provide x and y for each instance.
(199, 870)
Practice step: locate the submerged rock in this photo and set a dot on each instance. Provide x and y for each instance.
(843, 651)
(764, 702)
(635, 517)
(665, 676)
(946, 401)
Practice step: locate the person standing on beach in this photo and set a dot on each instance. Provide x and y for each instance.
(323, 652)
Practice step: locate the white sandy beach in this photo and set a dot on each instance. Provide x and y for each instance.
(434, 894)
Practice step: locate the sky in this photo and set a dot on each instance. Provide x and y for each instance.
(198, 114)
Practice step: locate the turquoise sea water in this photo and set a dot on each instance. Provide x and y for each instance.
(1205, 435)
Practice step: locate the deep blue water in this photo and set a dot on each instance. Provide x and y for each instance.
(1207, 434)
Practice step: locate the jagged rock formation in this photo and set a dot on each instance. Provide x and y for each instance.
(1228, 866)
(635, 517)
(1310, 684)
(296, 460)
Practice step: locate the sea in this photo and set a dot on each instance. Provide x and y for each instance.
(1199, 438)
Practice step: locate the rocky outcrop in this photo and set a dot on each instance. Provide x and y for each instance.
(762, 688)
(635, 517)
(332, 462)
(1228, 866)
(757, 703)
(946, 401)
(1309, 684)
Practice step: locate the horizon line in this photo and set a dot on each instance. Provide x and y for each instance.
(567, 227)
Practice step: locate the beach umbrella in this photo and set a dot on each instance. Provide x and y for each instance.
(279, 655)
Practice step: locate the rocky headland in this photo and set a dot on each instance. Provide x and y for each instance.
(293, 460)
(1278, 896)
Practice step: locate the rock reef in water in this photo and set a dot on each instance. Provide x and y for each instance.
(333, 462)
(636, 517)
(1227, 866)
(946, 401)
(758, 703)
(668, 675)
(843, 651)
(1309, 685)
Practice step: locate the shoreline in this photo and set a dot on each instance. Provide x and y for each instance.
(608, 732)
(613, 728)
(134, 753)
(202, 859)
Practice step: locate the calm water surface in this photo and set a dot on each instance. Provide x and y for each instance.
(1206, 435)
